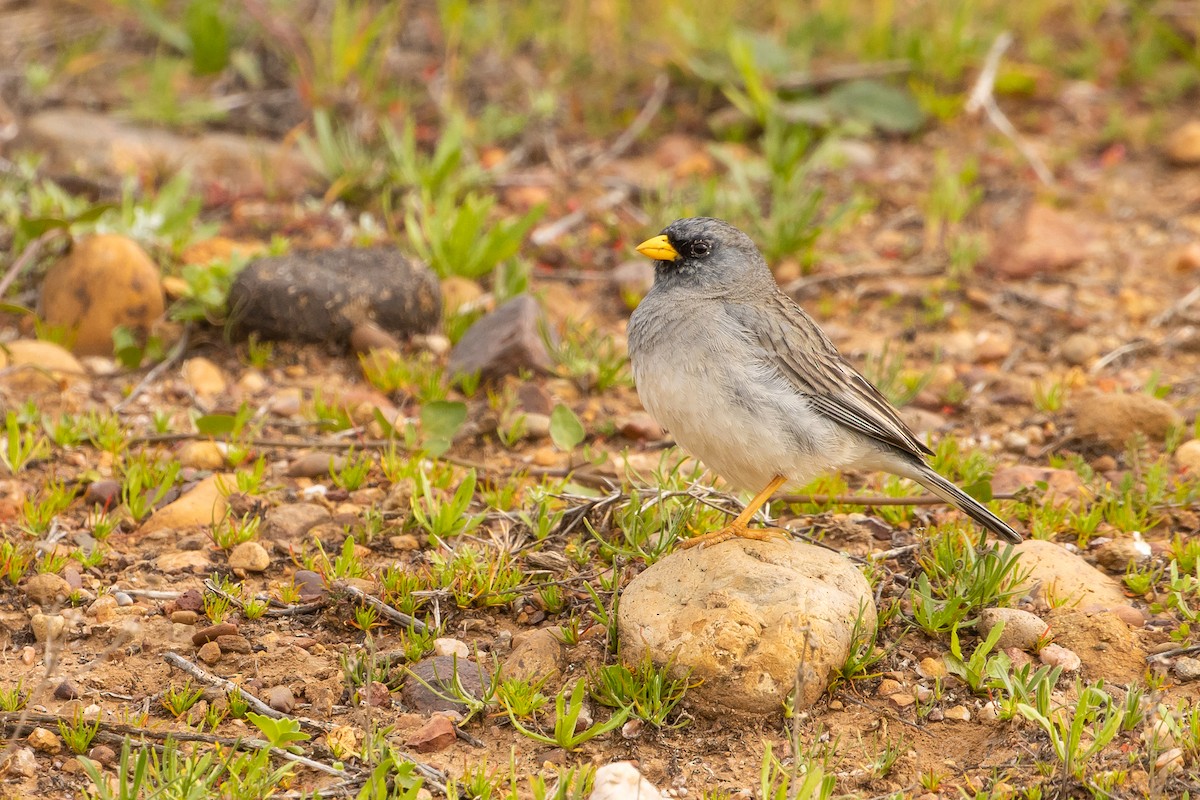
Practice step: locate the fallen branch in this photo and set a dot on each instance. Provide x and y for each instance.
(382, 607)
(982, 98)
(176, 353)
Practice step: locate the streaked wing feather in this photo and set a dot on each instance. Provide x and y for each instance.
(796, 347)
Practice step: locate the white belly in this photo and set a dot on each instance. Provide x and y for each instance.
(745, 423)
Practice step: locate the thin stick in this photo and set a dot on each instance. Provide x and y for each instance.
(31, 252)
(1166, 316)
(649, 111)
(1129, 348)
(181, 663)
(549, 232)
(382, 607)
(982, 98)
(176, 353)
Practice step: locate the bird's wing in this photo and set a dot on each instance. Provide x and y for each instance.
(793, 344)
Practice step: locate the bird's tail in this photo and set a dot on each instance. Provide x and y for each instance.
(963, 502)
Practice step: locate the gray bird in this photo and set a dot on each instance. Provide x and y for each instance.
(747, 383)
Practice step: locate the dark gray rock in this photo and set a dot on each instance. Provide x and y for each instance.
(321, 295)
(438, 672)
(504, 342)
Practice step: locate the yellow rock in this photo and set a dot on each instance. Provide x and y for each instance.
(201, 455)
(204, 377)
(104, 282)
(47, 367)
(204, 505)
(458, 291)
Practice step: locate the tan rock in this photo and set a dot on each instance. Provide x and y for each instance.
(622, 781)
(1111, 420)
(250, 556)
(195, 561)
(47, 627)
(1064, 577)
(958, 713)
(1022, 629)
(204, 504)
(1182, 146)
(105, 281)
(743, 616)
(1187, 455)
(1046, 240)
(1106, 647)
(36, 366)
(458, 292)
(201, 455)
(535, 654)
(44, 741)
(204, 377)
(76, 141)
(46, 589)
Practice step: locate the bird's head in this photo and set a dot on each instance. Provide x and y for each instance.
(706, 253)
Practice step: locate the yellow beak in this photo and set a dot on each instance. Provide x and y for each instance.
(659, 249)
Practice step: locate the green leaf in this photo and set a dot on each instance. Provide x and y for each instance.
(389, 430)
(33, 227)
(208, 34)
(888, 108)
(565, 428)
(216, 424)
(126, 347)
(981, 490)
(440, 420)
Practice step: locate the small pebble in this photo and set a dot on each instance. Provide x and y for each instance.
(44, 741)
(1187, 668)
(451, 647)
(47, 626)
(66, 690)
(209, 653)
(1054, 655)
(103, 754)
(281, 699)
(958, 713)
(185, 617)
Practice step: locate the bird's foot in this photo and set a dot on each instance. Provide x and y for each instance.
(735, 530)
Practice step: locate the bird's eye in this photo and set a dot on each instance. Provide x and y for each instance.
(700, 249)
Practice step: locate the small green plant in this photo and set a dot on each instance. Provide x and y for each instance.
(145, 484)
(975, 670)
(21, 446)
(566, 716)
(78, 732)
(43, 507)
(457, 235)
(15, 560)
(445, 518)
(353, 472)
(809, 781)
(1080, 731)
(216, 607)
(178, 700)
(647, 691)
(14, 698)
(864, 654)
(229, 532)
(521, 697)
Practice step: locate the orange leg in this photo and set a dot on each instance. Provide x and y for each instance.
(741, 526)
